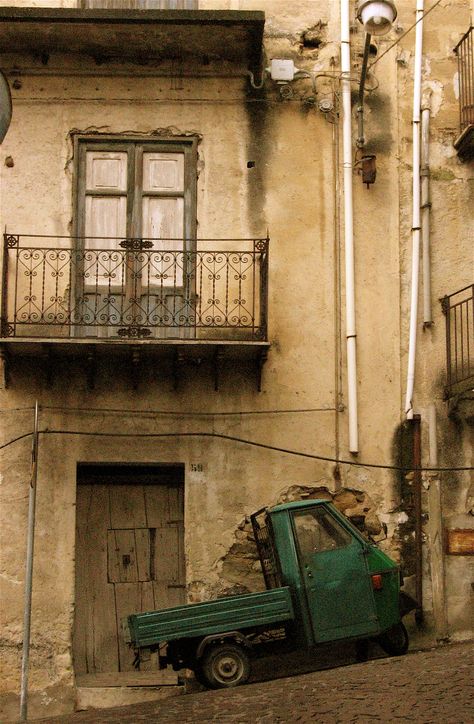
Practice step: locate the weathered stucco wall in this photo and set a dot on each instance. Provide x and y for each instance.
(290, 188)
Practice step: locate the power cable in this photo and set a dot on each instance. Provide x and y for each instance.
(242, 441)
(188, 413)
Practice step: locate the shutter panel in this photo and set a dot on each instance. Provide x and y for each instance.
(106, 215)
(105, 224)
(163, 214)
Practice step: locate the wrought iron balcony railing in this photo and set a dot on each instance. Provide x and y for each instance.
(459, 311)
(134, 288)
(465, 53)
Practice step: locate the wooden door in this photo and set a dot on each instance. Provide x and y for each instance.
(129, 559)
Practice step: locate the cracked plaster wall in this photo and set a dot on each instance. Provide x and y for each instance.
(290, 190)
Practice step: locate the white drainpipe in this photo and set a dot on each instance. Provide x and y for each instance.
(416, 223)
(349, 229)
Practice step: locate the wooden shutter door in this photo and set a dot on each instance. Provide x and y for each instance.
(163, 220)
(105, 224)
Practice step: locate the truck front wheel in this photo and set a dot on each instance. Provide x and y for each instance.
(395, 641)
(225, 665)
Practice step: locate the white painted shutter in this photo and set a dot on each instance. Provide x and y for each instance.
(105, 224)
(163, 216)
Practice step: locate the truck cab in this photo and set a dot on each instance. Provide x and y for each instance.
(343, 585)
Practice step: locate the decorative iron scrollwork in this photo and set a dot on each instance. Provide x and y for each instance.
(134, 331)
(8, 330)
(12, 240)
(136, 244)
(141, 294)
(261, 244)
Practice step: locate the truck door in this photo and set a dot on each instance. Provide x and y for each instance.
(335, 576)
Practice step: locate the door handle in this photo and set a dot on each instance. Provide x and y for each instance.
(308, 570)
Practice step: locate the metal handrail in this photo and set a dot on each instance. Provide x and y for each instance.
(57, 286)
(465, 53)
(459, 312)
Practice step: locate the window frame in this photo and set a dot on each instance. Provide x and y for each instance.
(130, 145)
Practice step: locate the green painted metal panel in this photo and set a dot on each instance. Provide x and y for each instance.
(234, 613)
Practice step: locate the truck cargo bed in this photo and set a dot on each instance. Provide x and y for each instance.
(234, 613)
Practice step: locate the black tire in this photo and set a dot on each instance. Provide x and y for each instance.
(225, 665)
(199, 675)
(395, 641)
(362, 650)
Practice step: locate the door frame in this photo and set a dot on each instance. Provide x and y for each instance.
(105, 475)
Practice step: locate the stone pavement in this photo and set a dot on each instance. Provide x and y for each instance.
(436, 685)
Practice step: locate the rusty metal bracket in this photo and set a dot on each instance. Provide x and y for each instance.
(218, 357)
(135, 367)
(91, 368)
(177, 365)
(261, 359)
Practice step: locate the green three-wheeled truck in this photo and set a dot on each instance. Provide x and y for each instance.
(325, 582)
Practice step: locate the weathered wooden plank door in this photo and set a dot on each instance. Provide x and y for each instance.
(129, 558)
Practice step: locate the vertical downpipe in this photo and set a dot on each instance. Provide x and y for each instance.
(349, 229)
(435, 532)
(416, 427)
(416, 222)
(425, 215)
(30, 541)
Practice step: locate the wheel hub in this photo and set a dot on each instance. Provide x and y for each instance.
(227, 668)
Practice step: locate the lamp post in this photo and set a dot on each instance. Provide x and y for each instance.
(376, 15)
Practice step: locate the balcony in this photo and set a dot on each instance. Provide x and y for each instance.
(459, 312)
(151, 37)
(178, 301)
(464, 144)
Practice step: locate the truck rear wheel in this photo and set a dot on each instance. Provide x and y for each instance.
(395, 641)
(225, 665)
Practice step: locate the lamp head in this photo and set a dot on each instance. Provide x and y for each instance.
(377, 16)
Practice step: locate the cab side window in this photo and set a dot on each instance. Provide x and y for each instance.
(317, 531)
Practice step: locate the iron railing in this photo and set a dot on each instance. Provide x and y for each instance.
(134, 288)
(465, 52)
(459, 311)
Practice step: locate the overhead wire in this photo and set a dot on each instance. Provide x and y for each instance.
(243, 441)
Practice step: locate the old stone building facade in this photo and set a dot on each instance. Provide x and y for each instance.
(174, 295)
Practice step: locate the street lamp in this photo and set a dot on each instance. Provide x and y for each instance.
(377, 17)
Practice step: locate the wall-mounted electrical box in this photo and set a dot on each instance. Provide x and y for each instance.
(282, 70)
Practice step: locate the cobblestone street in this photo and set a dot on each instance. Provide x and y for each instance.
(436, 685)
